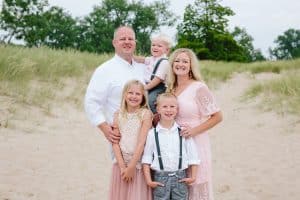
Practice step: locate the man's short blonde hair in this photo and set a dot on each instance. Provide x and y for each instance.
(164, 38)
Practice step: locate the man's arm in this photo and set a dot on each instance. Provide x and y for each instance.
(94, 102)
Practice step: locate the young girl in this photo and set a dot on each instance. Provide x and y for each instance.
(132, 121)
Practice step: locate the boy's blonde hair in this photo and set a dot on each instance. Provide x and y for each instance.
(195, 69)
(144, 104)
(164, 38)
(163, 96)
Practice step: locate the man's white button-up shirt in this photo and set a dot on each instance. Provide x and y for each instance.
(104, 92)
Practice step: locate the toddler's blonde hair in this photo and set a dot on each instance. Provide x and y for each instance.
(164, 38)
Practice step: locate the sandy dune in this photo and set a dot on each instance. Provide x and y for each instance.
(58, 155)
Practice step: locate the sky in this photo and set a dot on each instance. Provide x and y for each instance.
(264, 20)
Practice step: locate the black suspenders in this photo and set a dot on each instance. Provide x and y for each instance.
(158, 150)
(156, 66)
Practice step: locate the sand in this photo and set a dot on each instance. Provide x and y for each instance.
(59, 155)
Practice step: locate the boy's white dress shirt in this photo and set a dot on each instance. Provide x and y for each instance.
(169, 147)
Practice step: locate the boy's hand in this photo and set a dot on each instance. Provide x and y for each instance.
(188, 181)
(154, 184)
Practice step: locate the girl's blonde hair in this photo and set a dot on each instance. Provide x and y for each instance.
(144, 103)
(195, 69)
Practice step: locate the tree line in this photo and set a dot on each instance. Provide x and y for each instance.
(204, 28)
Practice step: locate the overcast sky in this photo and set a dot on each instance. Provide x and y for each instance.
(264, 20)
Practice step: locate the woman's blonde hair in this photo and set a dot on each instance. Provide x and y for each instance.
(144, 103)
(194, 73)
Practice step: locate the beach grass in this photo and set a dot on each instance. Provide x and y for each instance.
(281, 94)
(36, 75)
(32, 75)
(221, 71)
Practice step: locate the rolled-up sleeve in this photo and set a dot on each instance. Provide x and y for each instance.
(149, 149)
(192, 154)
(95, 97)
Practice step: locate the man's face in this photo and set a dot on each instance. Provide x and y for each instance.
(124, 42)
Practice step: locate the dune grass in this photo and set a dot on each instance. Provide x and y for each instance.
(281, 95)
(21, 68)
(37, 75)
(217, 71)
(221, 71)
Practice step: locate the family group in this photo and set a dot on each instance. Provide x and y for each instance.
(154, 112)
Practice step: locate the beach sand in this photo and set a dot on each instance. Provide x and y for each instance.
(57, 154)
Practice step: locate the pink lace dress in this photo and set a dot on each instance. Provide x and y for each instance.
(137, 189)
(196, 104)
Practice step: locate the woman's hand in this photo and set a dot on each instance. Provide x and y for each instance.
(186, 131)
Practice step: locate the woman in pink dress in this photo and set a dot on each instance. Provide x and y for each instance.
(198, 112)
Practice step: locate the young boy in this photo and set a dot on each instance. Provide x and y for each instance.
(154, 78)
(168, 154)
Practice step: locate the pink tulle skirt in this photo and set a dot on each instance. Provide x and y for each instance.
(137, 189)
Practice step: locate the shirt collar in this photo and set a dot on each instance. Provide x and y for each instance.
(174, 127)
(120, 59)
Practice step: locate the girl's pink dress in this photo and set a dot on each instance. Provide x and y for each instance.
(196, 104)
(137, 189)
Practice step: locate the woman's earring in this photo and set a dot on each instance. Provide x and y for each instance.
(190, 75)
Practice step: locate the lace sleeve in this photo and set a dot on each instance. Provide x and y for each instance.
(206, 101)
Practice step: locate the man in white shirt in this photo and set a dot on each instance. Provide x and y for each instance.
(104, 92)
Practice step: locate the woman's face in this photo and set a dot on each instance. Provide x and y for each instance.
(182, 64)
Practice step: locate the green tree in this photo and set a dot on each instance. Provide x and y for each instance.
(97, 28)
(148, 19)
(204, 29)
(246, 42)
(61, 29)
(288, 45)
(21, 17)
(33, 22)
